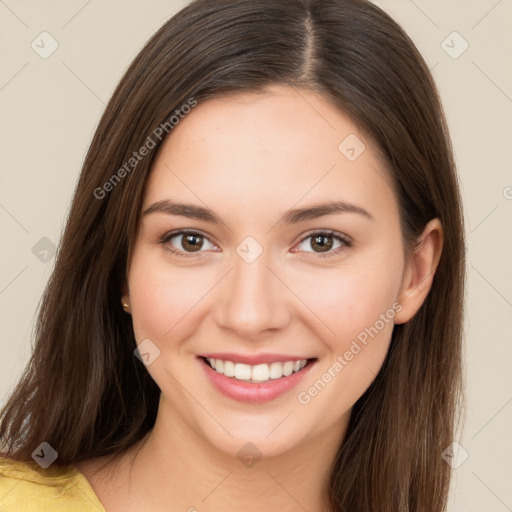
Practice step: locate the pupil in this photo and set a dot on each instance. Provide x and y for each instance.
(320, 241)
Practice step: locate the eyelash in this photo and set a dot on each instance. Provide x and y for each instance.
(346, 242)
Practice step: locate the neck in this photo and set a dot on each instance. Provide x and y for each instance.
(174, 468)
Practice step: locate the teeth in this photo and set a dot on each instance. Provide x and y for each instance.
(242, 371)
(276, 370)
(257, 373)
(288, 368)
(229, 368)
(260, 372)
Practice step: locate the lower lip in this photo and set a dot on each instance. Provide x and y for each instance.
(254, 392)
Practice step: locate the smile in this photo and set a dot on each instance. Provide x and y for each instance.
(256, 373)
(254, 379)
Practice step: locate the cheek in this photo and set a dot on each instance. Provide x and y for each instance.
(353, 297)
(358, 306)
(161, 297)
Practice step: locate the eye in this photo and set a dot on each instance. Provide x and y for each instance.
(189, 244)
(186, 243)
(324, 243)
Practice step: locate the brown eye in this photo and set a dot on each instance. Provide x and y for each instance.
(322, 242)
(186, 243)
(192, 242)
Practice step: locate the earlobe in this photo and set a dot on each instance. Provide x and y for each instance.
(126, 305)
(125, 301)
(420, 271)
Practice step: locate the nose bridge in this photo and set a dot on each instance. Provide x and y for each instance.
(253, 298)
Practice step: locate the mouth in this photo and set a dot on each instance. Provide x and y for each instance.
(256, 373)
(269, 378)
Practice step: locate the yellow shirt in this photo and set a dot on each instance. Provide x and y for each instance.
(27, 487)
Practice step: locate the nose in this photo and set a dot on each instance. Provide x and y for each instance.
(253, 301)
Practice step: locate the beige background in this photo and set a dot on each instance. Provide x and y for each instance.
(50, 108)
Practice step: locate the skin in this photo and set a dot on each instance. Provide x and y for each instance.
(249, 158)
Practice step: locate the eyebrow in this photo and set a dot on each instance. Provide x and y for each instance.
(289, 217)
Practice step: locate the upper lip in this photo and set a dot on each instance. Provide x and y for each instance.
(255, 358)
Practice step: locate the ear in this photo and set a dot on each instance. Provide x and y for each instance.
(419, 271)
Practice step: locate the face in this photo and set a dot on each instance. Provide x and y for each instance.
(256, 278)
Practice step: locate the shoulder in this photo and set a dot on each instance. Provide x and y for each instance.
(27, 487)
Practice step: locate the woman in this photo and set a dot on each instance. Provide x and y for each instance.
(257, 299)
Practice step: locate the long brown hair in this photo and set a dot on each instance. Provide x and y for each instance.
(83, 390)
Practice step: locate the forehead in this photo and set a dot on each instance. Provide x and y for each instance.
(266, 152)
